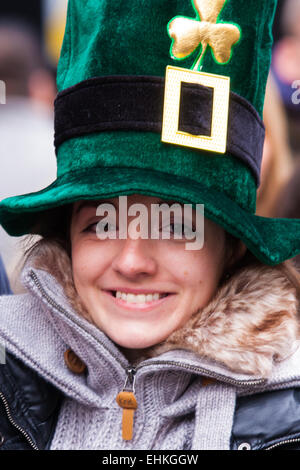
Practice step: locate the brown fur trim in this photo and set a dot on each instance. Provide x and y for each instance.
(251, 321)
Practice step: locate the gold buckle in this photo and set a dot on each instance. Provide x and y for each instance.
(217, 141)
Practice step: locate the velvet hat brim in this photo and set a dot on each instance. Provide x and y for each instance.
(270, 240)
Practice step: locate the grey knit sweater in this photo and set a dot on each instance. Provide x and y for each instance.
(175, 409)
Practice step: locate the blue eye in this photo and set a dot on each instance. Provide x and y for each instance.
(91, 228)
(105, 227)
(178, 229)
(100, 227)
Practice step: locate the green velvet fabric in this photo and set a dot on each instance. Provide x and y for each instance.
(125, 149)
(108, 37)
(271, 240)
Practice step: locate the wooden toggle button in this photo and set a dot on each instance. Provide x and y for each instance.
(207, 381)
(73, 362)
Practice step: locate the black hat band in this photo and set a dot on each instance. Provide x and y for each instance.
(135, 103)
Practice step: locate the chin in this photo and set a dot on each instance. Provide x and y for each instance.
(134, 345)
(133, 342)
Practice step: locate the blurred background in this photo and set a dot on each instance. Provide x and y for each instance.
(31, 35)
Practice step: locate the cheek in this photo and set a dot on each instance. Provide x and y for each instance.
(200, 268)
(89, 261)
(197, 273)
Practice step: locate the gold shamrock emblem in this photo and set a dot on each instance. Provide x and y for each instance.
(187, 33)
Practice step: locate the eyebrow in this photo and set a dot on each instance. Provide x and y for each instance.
(89, 203)
(84, 204)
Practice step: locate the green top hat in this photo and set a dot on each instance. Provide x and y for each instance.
(116, 127)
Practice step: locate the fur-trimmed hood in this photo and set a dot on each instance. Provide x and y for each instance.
(250, 323)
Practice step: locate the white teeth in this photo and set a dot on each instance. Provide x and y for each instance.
(138, 299)
(130, 298)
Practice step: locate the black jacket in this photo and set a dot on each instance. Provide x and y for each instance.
(29, 408)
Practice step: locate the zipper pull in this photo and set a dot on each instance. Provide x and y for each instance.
(127, 401)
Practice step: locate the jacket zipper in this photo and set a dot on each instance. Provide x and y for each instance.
(127, 401)
(205, 372)
(12, 421)
(282, 443)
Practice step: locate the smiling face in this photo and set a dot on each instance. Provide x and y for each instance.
(138, 291)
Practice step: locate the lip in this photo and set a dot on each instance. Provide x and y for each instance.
(141, 306)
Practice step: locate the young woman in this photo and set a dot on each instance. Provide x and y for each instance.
(127, 342)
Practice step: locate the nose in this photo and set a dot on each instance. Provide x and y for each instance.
(135, 259)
